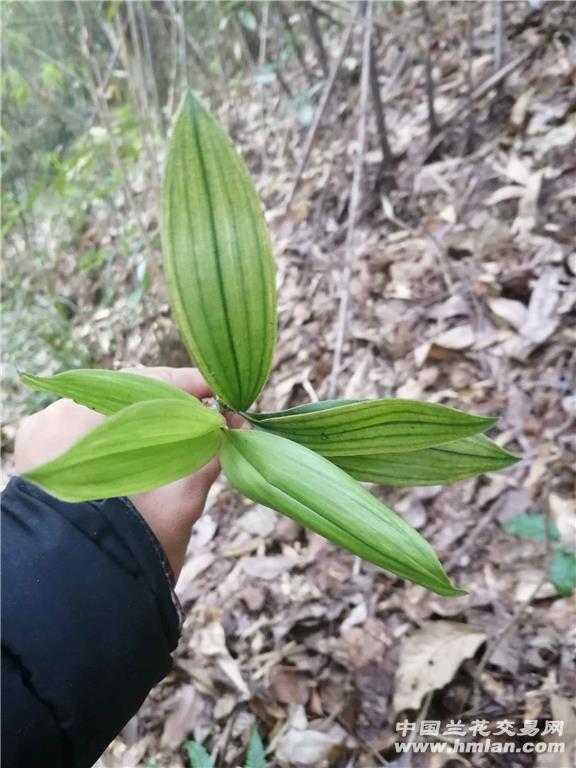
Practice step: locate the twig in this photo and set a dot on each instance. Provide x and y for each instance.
(282, 82)
(191, 45)
(198, 55)
(387, 164)
(471, 118)
(172, 73)
(518, 613)
(117, 36)
(263, 41)
(94, 81)
(149, 137)
(265, 10)
(406, 760)
(443, 262)
(285, 16)
(498, 35)
(43, 55)
(326, 93)
(248, 42)
(105, 82)
(311, 15)
(160, 122)
(328, 16)
(363, 745)
(480, 91)
(503, 73)
(138, 71)
(432, 121)
(471, 538)
(183, 49)
(221, 745)
(354, 203)
(422, 715)
(348, 8)
(322, 200)
(497, 640)
(491, 82)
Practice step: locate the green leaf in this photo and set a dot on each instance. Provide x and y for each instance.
(146, 445)
(197, 755)
(322, 405)
(301, 484)
(562, 572)
(218, 258)
(443, 464)
(104, 391)
(376, 427)
(255, 757)
(248, 19)
(531, 527)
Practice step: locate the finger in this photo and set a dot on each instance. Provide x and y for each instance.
(236, 421)
(206, 476)
(189, 494)
(188, 379)
(50, 432)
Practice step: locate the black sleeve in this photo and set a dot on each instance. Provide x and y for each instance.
(89, 620)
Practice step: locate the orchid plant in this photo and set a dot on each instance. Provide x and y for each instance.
(306, 462)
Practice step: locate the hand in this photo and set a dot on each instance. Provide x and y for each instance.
(170, 511)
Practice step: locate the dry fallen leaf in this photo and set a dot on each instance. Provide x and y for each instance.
(562, 710)
(289, 686)
(357, 615)
(457, 338)
(528, 205)
(196, 564)
(541, 319)
(530, 586)
(203, 532)
(268, 567)
(510, 310)
(510, 192)
(303, 746)
(254, 598)
(518, 170)
(563, 512)
(429, 659)
(211, 642)
(118, 756)
(187, 707)
(259, 521)
(306, 747)
(520, 108)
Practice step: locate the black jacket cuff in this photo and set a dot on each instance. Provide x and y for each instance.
(89, 620)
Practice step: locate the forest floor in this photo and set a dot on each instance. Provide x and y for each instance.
(462, 287)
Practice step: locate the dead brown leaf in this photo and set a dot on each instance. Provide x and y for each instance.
(429, 659)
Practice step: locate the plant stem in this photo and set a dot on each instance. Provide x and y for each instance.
(354, 204)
